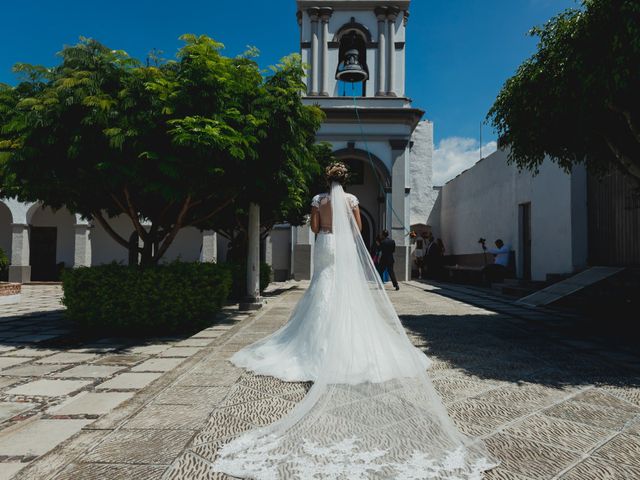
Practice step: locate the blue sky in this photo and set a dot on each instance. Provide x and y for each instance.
(459, 52)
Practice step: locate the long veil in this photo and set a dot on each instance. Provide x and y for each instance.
(389, 424)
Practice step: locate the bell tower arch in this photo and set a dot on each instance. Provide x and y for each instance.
(364, 37)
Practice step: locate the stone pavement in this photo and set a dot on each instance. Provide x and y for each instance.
(53, 384)
(548, 407)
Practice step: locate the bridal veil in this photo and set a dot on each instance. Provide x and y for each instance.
(372, 412)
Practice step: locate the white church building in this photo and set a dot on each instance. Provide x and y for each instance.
(379, 134)
(355, 50)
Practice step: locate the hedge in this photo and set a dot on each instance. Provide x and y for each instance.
(166, 299)
(239, 288)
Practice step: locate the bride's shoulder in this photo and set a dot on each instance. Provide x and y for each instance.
(315, 201)
(353, 200)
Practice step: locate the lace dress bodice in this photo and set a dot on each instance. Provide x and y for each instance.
(322, 202)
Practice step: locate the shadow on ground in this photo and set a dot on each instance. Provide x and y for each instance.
(494, 347)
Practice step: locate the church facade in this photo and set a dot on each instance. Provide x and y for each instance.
(356, 56)
(355, 50)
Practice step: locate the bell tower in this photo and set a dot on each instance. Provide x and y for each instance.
(355, 53)
(353, 47)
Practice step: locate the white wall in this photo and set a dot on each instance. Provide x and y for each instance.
(185, 247)
(422, 195)
(484, 202)
(104, 249)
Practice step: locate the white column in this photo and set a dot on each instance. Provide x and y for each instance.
(400, 206)
(19, 270)
(209, 247)
(391, 83)
(253, 255)
(381, 14)
(325, 15)
(82, 246)
(313, 15)
(302, 255)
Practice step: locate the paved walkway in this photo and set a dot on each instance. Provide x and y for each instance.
(549, 407)
(53, 383)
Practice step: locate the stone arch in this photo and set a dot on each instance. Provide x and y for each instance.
(31, 211)
(384, 175)
(353, 26)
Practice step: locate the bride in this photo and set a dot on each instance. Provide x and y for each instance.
(372, 412)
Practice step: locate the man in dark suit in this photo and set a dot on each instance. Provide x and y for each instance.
(387, 247)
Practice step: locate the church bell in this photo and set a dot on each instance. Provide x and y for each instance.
(351, 70)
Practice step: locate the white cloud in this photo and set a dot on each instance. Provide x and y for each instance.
(455, 154)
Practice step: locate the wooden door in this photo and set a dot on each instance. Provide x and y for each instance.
(42, 245)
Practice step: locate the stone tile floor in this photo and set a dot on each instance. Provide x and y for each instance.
(548, 407)
(53, 383)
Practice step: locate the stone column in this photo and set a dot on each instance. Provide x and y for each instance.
(82, 245)
(381, 14)
(325, 15)
(392, 14)
(209, 247)
(302, 255)
(400, 202)
(19, 270)
(314, 16)
(252, 301)
(388, 208)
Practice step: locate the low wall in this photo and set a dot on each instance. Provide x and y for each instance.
(9, 293)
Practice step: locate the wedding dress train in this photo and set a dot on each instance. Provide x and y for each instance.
(372, 412)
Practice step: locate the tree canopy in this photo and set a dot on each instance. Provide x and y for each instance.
(576, 99)
(168, 144)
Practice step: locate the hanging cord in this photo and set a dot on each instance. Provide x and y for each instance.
(375, 170)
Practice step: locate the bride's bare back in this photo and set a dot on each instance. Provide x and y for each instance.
(321, 215)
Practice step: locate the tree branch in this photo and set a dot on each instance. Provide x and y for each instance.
(134, 216)
(631, 167)
(174, 231)
(627, 116)
(104, 224)
(211, 214)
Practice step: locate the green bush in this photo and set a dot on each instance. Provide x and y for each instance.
(4, 265)
(239, 288)
(172, 298)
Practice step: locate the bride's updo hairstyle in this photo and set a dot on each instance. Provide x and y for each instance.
(337, 172)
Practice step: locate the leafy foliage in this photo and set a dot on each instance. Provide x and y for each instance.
(576, 98)
(172, 144)
(178, 297)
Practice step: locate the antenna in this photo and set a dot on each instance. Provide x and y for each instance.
(480, 140)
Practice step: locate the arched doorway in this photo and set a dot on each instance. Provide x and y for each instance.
(368, 228)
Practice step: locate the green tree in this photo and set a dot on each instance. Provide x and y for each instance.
(576, 99)
(172, 144)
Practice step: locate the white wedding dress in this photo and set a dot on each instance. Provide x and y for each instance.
(372, 412)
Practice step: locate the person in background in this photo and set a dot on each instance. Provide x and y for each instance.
(497, 271)
(420, 251)
(387, 248)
